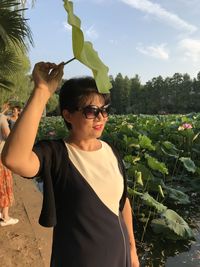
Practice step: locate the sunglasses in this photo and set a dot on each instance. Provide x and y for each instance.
(92, 111)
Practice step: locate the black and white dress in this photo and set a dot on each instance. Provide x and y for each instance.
(84, 195)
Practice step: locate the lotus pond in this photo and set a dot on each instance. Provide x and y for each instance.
(162, 159)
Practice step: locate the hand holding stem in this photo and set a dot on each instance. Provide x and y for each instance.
(47, 76)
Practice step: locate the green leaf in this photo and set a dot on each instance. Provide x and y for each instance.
(172, 226)
(138, 177)
(160, 190)
(145, 142)
(188, 164)
(146, 173)
(156, 165)
(177, 195)
(151, 202)
(133, 192)
(169, 149)
(84, 52)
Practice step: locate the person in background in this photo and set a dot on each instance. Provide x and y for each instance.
(6, 180)
(5, 108)
(16, 110)
(85, 191)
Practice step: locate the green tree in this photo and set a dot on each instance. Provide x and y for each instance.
(52, 104)
(134, 95)
(14, 34)
(21, 86)
(14, 27)
(117, 94)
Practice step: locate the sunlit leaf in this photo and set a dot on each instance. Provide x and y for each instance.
(172, 226)
(84, 52)
(151, 202)
(145, 142)
(156, 165)
(138, 177)
(161, 191)
(133, 192)
(146, 173)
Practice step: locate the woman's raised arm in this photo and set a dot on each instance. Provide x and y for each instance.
(17, 154)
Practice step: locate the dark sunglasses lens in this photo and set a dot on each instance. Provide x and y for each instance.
(90, 113)
(105, 112)
(93, 112)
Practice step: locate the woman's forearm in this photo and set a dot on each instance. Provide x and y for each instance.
(127, 215)
(20, 142)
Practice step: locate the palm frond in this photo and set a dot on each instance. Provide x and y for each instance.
(11, 62)
(6, 85)
(13, 26)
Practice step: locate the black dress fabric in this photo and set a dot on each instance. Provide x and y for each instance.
(86, 232)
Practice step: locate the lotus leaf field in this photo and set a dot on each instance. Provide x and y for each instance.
(162, 159)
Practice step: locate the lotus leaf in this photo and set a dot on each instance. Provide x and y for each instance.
(145, 142)
(154, 164)
(172, 226)
(188, 164)
(177, 195)
(84, 52)
(151, 202)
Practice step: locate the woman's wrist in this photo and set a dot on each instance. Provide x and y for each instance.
(42, 92)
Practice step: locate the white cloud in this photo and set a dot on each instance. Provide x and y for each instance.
(191, 49)
(92, 33)
(156, 51)
(161, 13)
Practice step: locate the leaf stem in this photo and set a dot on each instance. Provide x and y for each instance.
(69, 61)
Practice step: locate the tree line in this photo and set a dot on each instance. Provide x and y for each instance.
(176, 94)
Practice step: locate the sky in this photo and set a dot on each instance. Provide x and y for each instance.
(147, 38)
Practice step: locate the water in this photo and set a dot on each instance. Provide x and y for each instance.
(190, 258)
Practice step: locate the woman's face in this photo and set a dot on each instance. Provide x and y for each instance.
(87, 128)
(15, 111)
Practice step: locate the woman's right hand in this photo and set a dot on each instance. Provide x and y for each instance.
(47, 76)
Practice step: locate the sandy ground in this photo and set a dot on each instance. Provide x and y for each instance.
(25, 244)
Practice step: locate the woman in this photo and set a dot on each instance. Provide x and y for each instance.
(14, 116)
(6, 182)
(84, 190)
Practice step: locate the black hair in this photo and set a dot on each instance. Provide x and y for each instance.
(75, 92)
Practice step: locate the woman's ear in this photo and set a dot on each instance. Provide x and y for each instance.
(66, 115)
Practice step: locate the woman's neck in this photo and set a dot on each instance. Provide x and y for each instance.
(14, 117)
(87, 145)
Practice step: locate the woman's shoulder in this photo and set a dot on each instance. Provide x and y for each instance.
(54, 144)
(50, 150)
(3, 117)
(3, 120)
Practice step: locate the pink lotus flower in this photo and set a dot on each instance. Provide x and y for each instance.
(185, 126)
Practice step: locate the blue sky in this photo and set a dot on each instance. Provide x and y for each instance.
(144, 37)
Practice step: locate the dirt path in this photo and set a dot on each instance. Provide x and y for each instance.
(25, 244)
